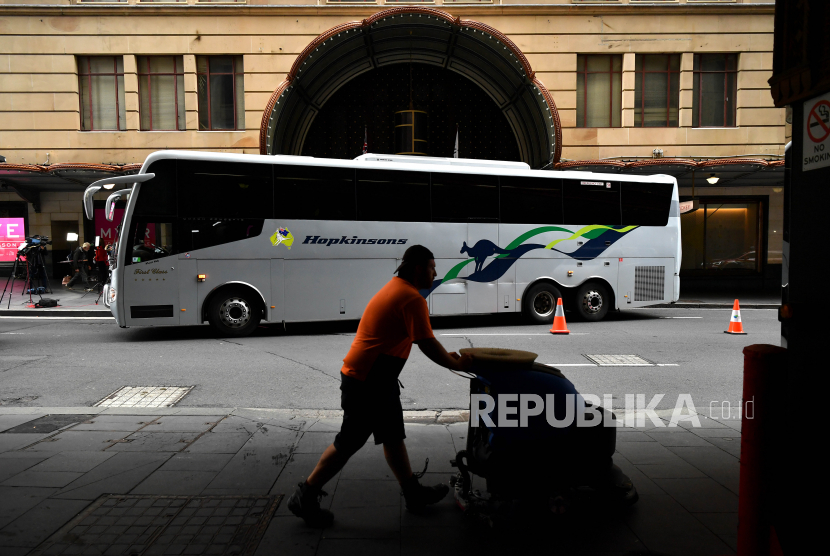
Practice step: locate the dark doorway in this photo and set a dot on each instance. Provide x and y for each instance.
(61, 247)
(371, 100)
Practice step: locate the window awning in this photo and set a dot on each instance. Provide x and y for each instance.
(731, 172)
(30, 180)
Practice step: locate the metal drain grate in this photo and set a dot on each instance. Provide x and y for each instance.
(48, 423)
(145, 396)
(619, 361)
(145, 525)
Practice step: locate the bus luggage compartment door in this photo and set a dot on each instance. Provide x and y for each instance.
(151, 292)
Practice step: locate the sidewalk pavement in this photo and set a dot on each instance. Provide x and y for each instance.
(71, 303)
(89, 480)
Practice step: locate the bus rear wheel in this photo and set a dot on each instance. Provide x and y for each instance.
(234, 312)
(592, 301)
(539, 303)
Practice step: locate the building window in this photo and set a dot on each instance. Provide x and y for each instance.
(101, 86)
(161, 93)
(656, 90)
(723, 237)
(221, 91)
(715, 90)
(598, 91)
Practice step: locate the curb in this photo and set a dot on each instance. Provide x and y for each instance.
(712, 306)
(101, 313)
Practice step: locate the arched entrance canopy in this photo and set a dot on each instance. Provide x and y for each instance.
(422, 36)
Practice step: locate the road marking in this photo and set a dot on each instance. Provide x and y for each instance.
(667, 365)
(57, 318)
(570, 365)
(511, 334)
(681, 317)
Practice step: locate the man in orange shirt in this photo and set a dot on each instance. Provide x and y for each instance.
(395, 318)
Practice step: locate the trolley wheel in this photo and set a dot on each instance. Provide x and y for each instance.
(592, 301)
(539, 303)
(234, 312)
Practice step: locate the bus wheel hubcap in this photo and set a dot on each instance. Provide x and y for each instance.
(543, 304)
(235, 312)
(592, 302)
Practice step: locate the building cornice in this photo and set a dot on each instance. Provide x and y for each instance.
(364, 10)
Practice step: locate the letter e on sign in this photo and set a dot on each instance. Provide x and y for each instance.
(816, 137)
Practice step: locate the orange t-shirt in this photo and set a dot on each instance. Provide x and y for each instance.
(395, 317)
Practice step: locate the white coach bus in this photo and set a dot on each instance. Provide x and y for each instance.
(236, 239)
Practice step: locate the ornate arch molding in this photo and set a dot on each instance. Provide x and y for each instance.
(420, 35)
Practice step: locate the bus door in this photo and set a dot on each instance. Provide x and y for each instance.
(482, 283)
(151, 275)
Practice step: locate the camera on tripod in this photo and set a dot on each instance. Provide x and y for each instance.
(33, 243)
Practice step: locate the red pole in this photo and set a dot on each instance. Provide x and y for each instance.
(764, 365)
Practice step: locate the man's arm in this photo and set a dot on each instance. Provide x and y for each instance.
(433, 349)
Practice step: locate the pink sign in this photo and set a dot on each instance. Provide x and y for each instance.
(105, 229)
(12, 234)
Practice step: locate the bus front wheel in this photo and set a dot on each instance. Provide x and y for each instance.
(592, 301)
(234, 312)
(540, 303)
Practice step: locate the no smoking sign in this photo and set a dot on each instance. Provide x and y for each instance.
(816, 133)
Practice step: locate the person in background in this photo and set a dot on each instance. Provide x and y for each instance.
(102, 263)
(79, 266)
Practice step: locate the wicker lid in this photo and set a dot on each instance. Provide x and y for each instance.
(499, 357)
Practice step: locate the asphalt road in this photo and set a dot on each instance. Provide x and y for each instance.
(76, 362)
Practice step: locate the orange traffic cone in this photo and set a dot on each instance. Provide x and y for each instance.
(559, 324)
(735, 326)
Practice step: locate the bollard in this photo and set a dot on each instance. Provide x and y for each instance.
(764, 364)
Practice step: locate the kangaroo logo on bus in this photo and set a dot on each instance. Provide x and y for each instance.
(282, 236)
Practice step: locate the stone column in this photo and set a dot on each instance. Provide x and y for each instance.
(687, 61)
(131, 92)
(191, 95)
(628, 80)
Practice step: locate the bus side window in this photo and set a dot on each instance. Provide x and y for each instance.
(591, 201)
(465, 198)
(646, 204)
(224, 189)
(393, 196)
(531, 200)
(314, 193)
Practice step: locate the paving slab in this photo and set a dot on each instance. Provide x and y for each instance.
(363, 493)
(10, 442)
(11, 466)
(155, 442)
(723, 524)
(182, 423)
(289, 535)
(175, 483)
(15, 501)
(73, 461)
(73, 441)
(358, 547)
(118, 475)
(646, 453)
(121, 423)
(28, 530)
(47, 479)
(714, 462)
(700, 494)
(186, 461)
(314, 442)
(219, 442)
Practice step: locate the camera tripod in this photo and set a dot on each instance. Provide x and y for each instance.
(34, 267)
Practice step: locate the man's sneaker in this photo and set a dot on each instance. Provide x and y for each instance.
(305, 503)
(418, 496)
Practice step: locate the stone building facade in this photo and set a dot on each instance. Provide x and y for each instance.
(51, 52)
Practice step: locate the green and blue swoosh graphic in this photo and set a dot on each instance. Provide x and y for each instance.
(596, 235)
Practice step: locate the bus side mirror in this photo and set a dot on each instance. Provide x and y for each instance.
(109, 211)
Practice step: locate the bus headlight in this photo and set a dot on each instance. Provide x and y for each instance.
(112, 294)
